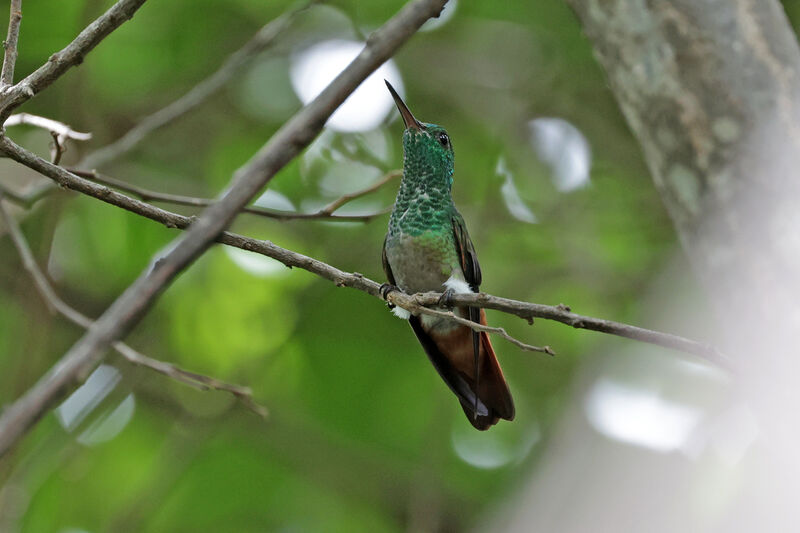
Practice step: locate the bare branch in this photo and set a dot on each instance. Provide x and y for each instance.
(198, 94)
(260, 42)
(417, 309)
(131, 306)
(198, 381)
(562, 313)
(57, 149)
(325, 213)
(73, 54)
(339, 202)
(525, 310)
(10, 44)
(56, 305)
(62, 130)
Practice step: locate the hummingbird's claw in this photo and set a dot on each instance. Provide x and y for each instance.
(446, 299)
(385, 289)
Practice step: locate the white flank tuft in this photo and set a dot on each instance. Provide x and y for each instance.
(399, 312)
(459, 286)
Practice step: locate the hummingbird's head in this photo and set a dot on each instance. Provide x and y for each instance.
(426, 147)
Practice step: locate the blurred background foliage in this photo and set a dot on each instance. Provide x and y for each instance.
(362, 435)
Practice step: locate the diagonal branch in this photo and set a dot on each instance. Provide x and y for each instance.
(56, 305)
(261, 41)
(10, 44)
(326, 213)
(73, 54)
(339, 202)
(525, 310)
(287, 142)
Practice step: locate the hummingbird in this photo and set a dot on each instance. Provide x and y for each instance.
(427, 248)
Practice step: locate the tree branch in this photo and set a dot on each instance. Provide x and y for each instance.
(64, 131)
(326, 213)
(10, 44)
(419, 309)
(261, 41)
(56, 305)
(60, 132)
(73, 54)
(129, 308)
(339, 202)
(525, 310)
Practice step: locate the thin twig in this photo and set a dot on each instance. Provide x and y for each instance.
(525, 310)
(562, 313)
(133, 304)
(55, 304)
(71, 55)
(63, 130)
(325, 213)
(261, 41)
(60, 133)
(339, 202)
(10, 44)
(416, 309)
(57, 150)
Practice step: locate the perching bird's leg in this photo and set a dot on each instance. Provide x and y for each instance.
(446, 299)
(384, 291)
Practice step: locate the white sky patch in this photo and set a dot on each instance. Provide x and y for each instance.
(640, 416)
(256, 264)
(312, 69)
(80, 403)
(109, 424)
(274, 200)
(87, 398)
(444, 17)
(514, 203)
(564, 149)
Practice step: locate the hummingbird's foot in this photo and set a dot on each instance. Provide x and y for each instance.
(385, 289)
(446, 299)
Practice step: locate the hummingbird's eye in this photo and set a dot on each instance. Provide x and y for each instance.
(444, 140)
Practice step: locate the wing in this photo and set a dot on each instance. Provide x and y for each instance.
(466, 253)
(387, 269)
(468, 260)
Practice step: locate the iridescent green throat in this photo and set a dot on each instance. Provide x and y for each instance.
(424, 202)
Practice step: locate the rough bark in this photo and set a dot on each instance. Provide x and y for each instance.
(711, 91)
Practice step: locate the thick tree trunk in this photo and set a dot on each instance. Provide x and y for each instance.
(711, 90)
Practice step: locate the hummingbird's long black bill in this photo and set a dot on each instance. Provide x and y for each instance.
(408, 118)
